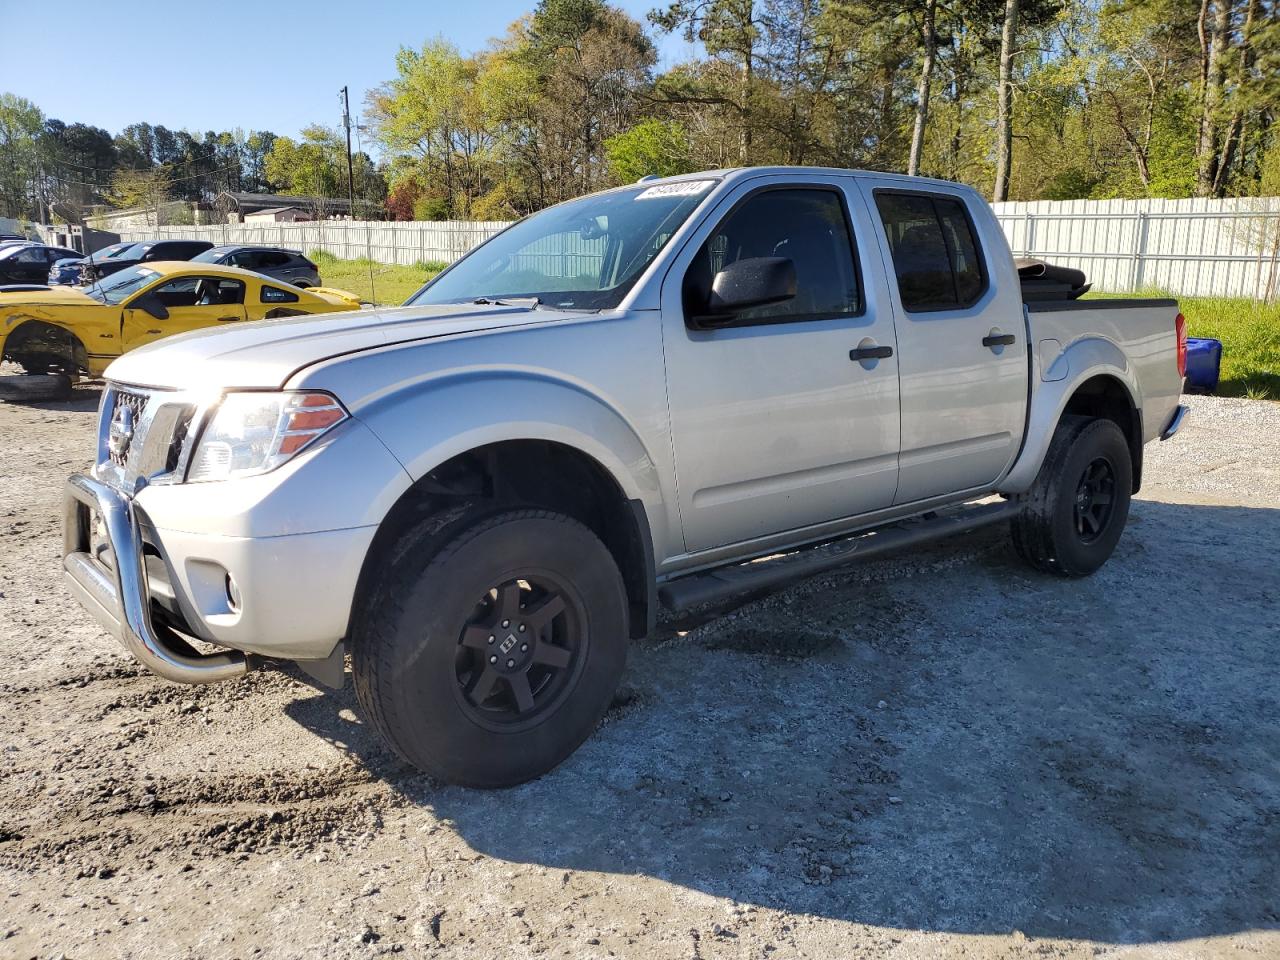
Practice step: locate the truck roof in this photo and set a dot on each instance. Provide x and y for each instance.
(740, 173)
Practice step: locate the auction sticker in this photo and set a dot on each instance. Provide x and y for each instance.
(681, 188)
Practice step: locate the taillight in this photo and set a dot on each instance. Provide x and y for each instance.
(1180, 327)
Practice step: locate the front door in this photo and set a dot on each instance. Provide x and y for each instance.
(192, 303)
(962, 344)
(775, 426)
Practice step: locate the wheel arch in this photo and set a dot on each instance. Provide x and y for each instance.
(1105, 396)
(48, 338)
(509, 474)
(1100, 382)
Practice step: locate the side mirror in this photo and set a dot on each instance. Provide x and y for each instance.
(753, 282)
(152, 304)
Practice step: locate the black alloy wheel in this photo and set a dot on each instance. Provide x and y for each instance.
(1095, 498)
(520, 652)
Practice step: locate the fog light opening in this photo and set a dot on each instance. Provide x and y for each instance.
(233, 594)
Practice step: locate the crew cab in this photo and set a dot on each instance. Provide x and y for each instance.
(656, 396)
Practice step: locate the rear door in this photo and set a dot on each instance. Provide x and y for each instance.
(962, 352)
(774, 426)
(274, 263)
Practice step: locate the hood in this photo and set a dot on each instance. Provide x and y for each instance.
(45, 297)
(269, 352)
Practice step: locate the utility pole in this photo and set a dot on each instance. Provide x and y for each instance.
(351, 177)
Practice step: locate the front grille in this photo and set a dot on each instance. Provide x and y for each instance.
(137, 404)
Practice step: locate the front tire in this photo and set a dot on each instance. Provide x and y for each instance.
(1075, 512)
(493, 647)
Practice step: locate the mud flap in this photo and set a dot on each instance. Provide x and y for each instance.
(331, 671)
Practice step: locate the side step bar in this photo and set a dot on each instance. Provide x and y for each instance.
(719, 584)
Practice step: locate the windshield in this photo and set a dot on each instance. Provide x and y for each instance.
(212, 255)
(111, 252)
(120, 286)
(585, 254)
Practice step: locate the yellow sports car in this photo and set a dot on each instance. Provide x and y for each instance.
(79, 330)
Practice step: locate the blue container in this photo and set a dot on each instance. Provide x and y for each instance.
(1204, 359)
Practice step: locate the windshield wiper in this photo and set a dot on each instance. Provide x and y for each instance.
(505, 302)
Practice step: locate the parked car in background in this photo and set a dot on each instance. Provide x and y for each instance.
(29, 262)
(150, 251)
(81, 330)
(72, 270)
(281, 263)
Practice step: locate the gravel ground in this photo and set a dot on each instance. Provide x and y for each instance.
(942, 755)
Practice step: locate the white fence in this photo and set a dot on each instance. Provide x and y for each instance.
(382, 241)
(1228, 248)
(1224, 248)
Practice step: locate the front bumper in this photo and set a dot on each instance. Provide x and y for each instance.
(118, 596)
(294, 592)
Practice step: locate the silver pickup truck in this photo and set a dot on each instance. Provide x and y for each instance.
(658, 395)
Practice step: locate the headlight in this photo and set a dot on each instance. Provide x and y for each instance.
(251, 433)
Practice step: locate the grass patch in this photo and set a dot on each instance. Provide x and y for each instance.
(1250, 335)
(381, 283)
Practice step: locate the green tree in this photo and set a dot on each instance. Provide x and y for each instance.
(146, 190)
(652, 146)
(431, 115)
(314, 166)
(21, 126)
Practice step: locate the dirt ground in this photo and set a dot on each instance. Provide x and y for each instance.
(942, 755)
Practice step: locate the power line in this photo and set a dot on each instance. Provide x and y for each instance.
(194, 176)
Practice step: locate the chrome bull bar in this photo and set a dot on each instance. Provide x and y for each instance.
(119, 598)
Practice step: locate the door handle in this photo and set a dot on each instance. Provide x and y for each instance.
(225, 319)
(155, 331)
(871, 353)
(998, 340)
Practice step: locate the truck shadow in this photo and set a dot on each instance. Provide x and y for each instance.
(977, 750)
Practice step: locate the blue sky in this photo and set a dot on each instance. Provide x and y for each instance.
(192, 64)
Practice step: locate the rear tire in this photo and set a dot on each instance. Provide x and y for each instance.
(493, 647)
(1075, 512)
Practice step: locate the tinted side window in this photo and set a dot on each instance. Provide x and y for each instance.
(935, 254)
(276, 295)
(806, 226)
(919, 251)
(272, 258)
(963, 246)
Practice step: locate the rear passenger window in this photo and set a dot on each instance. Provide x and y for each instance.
(935, 253)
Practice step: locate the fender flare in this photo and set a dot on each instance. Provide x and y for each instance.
(1080, 362)
(488, 406)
